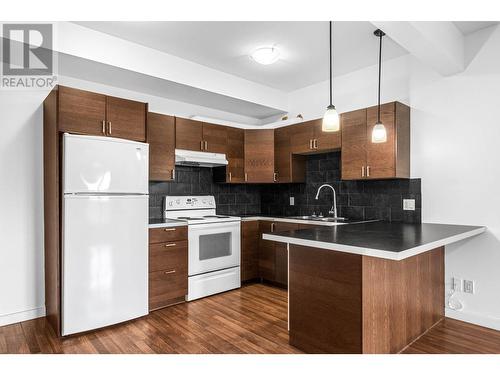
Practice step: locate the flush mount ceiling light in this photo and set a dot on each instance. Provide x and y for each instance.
(266, 55)
(331, 122)
(379, 132)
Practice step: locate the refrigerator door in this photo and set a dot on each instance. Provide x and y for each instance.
(104, 165)
(104, 261)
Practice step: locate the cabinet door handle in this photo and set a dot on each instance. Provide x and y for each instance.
(230, 176)
(169, 272)
(246, 176)
(169, 229)
(363, 171)
(170, 244)
(109, 127)
(104, 127)
(206, 146)
(173, 174)
(275, 177)
(310, 144)
(201, 145)
(315, 143)
(272, 227)
(367, 171)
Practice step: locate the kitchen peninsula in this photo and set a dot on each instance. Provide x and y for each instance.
(368, 287)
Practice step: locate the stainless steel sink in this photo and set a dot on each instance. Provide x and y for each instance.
(316, 218)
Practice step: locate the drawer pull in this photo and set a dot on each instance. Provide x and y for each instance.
(169, 272)
(169, 244)
(169, 229)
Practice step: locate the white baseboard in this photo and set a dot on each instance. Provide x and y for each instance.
(22, 316)
(473, 318)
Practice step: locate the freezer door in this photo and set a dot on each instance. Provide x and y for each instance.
(105, 261)
(104, 165)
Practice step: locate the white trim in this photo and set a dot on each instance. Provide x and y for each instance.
(21, 316)
(375, 252)
(474, 318)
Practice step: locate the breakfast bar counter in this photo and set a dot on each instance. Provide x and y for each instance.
(367, 287)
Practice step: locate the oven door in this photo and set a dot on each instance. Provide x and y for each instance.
(213, 247)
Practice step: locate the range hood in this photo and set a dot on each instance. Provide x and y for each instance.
(199, 159)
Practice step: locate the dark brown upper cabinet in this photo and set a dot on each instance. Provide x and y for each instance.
(259, 156)
(288, 167)
(353, 158)
(200, 136)
(214, 138)
(81, 112)
(89, 113)
(161, 139)
(308, 138)
(362, 159)
(126, 118)
(235, 155)
(188, 134)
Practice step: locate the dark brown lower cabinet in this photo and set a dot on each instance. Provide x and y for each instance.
(249, 250)
(349, 303)
(168, 266)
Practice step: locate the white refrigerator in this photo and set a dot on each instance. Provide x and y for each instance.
(105, 232)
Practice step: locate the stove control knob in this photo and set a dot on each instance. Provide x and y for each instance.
(178, 201)
(204, 201)
(211, 203)
(170, 203)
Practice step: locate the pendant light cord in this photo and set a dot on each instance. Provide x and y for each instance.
(331, 72)
(379, 74)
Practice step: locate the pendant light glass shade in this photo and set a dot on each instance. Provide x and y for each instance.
(379, 133)
(331, 121)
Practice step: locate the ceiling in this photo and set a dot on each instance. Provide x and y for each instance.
(468, 27)
(92, 71)
(226, 46)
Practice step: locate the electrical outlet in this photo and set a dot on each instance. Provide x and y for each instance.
(457, 284)
(409, 204)
(292, 201)
(469, 286)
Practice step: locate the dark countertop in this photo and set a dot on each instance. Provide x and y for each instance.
(382, 239)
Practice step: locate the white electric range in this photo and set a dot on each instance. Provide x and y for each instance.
(213, 244)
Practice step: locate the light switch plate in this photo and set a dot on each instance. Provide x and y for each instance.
(409, 204)
(469, 286)
(292, 201)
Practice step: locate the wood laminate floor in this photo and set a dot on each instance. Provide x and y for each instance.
(248, 320)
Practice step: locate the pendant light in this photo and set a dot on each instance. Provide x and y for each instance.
(379, 132)
(331, 122)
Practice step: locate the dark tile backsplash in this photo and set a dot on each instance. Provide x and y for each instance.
(230, 199)
(380, 199)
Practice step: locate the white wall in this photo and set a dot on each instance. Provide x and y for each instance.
(21, 206)
(455, 150)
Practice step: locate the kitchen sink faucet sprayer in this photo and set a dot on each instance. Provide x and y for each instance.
(333, 210)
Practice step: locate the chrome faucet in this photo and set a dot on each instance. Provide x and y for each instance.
(333, 210)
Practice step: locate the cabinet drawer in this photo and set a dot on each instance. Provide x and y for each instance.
(168, 255)
(167, 287)
(157, 235)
